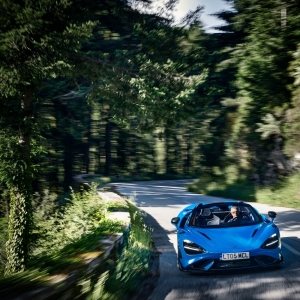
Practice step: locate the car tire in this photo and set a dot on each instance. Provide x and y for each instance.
(179, 265)
(282, 259)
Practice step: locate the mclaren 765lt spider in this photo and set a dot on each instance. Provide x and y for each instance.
(226, 235)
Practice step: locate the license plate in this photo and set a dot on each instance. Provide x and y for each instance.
(235, 256)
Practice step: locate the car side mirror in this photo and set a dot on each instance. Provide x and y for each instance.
(175, 220)
(272, 214)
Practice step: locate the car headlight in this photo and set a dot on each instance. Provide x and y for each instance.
(192, 248)
(272, 242)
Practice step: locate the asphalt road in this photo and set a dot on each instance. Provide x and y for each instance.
(162, 200)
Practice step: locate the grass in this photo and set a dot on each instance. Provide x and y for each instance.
(285, 193)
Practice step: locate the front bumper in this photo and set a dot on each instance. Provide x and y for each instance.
(205, 264)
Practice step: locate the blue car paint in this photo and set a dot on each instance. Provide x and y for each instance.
(218, 240)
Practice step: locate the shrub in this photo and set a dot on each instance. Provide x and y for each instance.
(81, 215)
(133, 263)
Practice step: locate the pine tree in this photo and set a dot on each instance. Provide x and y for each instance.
(36, 40)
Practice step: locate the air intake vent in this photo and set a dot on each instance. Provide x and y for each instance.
(254, 232)
(204, 235)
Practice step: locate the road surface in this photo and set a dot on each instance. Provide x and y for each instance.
(162, 200)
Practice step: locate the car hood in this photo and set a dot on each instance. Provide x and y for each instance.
(242, 238)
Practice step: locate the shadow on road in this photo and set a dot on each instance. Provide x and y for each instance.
(160, 235)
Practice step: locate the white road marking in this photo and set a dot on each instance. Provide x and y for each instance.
(290, 248)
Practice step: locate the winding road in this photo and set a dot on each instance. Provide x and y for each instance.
(162, 200)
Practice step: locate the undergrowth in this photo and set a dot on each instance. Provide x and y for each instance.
(286, 192)
(62, 233)
(83, 214)
(133, 263)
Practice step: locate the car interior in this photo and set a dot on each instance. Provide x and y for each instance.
(216, 215)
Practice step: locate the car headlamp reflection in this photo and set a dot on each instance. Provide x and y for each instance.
(272, 242)
(192, 248)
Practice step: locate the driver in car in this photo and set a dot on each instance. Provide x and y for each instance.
(234, 213)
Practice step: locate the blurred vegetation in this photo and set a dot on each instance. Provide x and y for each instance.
(134, 96)
(77, 84)
(258, 50)
(134, 261)
(64, 230)
(66, 235)
(284, 193)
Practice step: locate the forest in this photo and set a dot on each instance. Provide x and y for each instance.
(115, 89)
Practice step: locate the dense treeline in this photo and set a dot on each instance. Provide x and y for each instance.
(77, 80)
(256, 82)
(129, 122)
(259, 49)
(100, 87)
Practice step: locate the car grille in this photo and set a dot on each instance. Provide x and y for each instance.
(216, 264)
(265, 260)
(234, 264)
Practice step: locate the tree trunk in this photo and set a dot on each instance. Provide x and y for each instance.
(68, 161)
(187, 163)
(108, 128)
(20, 217)
(87, 145)
(167, 151)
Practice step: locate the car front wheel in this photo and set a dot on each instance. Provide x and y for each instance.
(179, 265)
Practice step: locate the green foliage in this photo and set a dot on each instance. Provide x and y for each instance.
(81, 215)
(285, 193)
(44, 205)
(255, 70)
(270, 127)
(18, 234)
(123, 79)
(86, 212)
(36, 43)
(22, 282)
(219, 187)
(13, 167)
(133, 263)
(97, 291)
(224, 182)
(3, 240)
(292, 115)
(117, 206)
(126, 272)
(36, 31)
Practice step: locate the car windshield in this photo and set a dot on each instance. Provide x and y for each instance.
(225, 215)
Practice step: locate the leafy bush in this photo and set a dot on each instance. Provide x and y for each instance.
(3, 239)
(133, 263)
(65, 232)
(81, 215)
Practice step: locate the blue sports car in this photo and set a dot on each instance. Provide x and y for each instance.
(226, 235)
